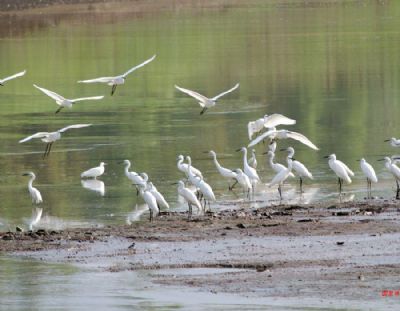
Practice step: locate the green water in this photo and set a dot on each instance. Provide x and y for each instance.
(333, 68)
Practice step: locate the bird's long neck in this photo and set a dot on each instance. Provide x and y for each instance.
(245, 157)
(127, 166)
(31, 181)
(271, 160)
(291, 153)
(290, 164)
(216, 161)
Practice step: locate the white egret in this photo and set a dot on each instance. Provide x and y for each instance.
(268, 121)
(159, 197)
(272, 146)
(117, 80)
(340, 169)
(298, 167)
(280, 177)
(369, 172)
(274, 134)
(395, 170)
(134, 177)
(150, 200)
(34, 193)
(276, 167)
(183, 167)
(224, 172)
(206, 102)
(188, 196)
(94, 185)
(248, 170)
(244, 181)
(51, 137)
(4, 80)
(394, 142)
(253, 159)
(94, 172)
(65, 102)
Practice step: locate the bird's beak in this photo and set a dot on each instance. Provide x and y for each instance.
(265, 152)
(206, 151)
(381, 160)
(387, 140)
(174, 183)
(237, 150)
(358, 160)
(25, 174)
(283, 149)
(326, 157)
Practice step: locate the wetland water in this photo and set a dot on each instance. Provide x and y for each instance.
(333, 68)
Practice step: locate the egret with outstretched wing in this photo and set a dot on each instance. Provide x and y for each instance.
(19, 74)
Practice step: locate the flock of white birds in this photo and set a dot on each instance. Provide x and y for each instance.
(194, 189)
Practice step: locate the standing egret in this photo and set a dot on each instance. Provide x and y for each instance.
(34, 193)
(183, 167)
(298, 167)
(150, 200)
(51, 137)
(369, 172)
(94, 172)
(395, 170)
(248, 170)
(280, 178)
(206, 102)
(188, 196)
(224, 172)
(244, 181)
(134, 177)
(253, 159)
(62, 101)
(341, 170)
(276, 167)
(274, 134)
(159, 197)
(394, 142)
(117, 80)
(4, 80)
(268, 121)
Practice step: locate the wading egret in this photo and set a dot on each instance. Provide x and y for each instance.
(340, 169)
(274, 134)
(244, 181)
(188, 196)
(395, 170)
(134, 177)
(224, 172)
(34, 193)
(298, 167)
(206, 102)
(280, 178)
(94, 172)
(268, 121)
(150, 200)
(183, 167)
(276, 167)
(253, 159)
(394, 142)
(51, 137)
(159, 197)
(64, 102)
(248, 170)
(369, 172)
(19, 74)
(117, 80)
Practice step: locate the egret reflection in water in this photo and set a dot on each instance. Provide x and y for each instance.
(94, 185)
(35, 218)
(137, 213)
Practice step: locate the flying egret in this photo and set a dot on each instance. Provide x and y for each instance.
(298, 167)
(369, 172)
(159, 197)
(183, 167)
(268, 121)
(204, 188)
(51, 137)
(94, 172)
(224, 172)
(394, 142)
(280, 177)
(206, 102)
(253, 159)
(34, 193)
(117, 80)
(340, 169)
(19, 74)
(150, 200)
(62, 101)
(274, 134)
(248, 170)
(188, 196)
(395, 170)
(94, 185)
(244, 181)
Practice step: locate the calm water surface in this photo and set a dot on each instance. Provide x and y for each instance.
(333, 68)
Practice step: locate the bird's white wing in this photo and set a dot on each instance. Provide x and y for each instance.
(19, 74)
(348, 170)
(226, 92)
(37, 135)
(51, 94)
(261, 138)
(74, 126)
(87, 98)
(277, 119)
(194, 94)
(138, 66)
(250, 128)
(301, 138)
(101, 80)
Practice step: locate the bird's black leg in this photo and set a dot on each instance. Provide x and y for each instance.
(280, 192)
(45, 151)
(59, 109)
(340, 185)
(301, 185)
(231, 187)
(1, 84)
(151, 214)
(113, 89)
(190, 210)
(398, 190)
(204, 110)
(48, 152)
